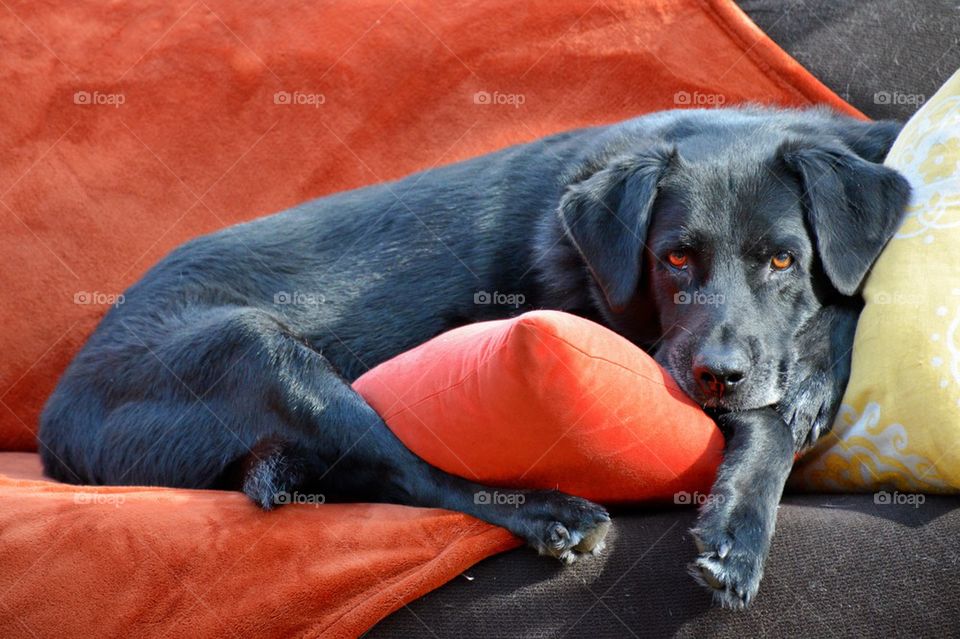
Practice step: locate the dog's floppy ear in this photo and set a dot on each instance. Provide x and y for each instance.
(605, 215)
(853, 207)
(870, 140)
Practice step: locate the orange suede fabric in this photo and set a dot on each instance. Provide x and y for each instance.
(154, 562)
(547, 400)
(127, 128)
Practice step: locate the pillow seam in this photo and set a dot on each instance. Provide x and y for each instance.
(674, 390)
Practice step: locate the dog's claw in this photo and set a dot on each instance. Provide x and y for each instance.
(559, 537)
(723, 550)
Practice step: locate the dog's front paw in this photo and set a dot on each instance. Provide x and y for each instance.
(733, 546)
(563, 526)
(737, 521)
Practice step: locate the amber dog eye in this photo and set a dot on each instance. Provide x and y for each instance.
(677, 259)
(781, 261)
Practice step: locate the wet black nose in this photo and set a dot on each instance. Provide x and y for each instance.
(719, 371)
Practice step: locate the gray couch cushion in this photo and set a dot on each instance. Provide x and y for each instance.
(840, 565)
(876, 54)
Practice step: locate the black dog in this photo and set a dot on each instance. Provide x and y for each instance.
(730, 244)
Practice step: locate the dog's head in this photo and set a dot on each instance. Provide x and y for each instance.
(734, 228)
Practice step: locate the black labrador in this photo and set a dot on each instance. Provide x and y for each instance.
(730, 244)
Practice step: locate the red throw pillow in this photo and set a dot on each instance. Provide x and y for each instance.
(547, 400)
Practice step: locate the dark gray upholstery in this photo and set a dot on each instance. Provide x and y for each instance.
(841, 566)
(868, 50)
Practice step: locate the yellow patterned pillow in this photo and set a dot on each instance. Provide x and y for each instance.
(899, 426)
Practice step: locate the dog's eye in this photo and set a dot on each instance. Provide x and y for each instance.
(781, 261)
(677, 259)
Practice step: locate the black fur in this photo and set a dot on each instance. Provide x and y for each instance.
(228, 365)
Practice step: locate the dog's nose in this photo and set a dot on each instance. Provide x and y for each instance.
(719, 371)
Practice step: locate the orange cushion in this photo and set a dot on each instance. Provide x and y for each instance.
(122, 561)
(547, 400)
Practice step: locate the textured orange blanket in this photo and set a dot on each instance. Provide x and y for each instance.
(127, 128)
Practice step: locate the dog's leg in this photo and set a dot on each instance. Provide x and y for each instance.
(347, 452)
(232, 399)
(736, 523)
(822, 370)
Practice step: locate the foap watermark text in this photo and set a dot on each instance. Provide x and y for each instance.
(898, 98)
(697, 98)
(96, 98)
(99, 499)
(698, 298)
(896, 498)
(696, 498)
(299, 98)
(485, 98)
(283, 498)
(298, 298)
(96, 298)
(497, 498)
(496, 298)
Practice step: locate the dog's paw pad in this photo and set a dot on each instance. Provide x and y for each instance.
(731, 571)
(594, 540)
